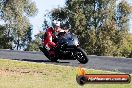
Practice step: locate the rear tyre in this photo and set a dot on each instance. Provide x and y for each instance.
(81, 56)
(53, 59)
(52, 56)
(46, 53)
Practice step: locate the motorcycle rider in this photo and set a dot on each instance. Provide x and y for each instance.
(49, 35)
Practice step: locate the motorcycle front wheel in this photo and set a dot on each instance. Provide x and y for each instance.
(81, 56)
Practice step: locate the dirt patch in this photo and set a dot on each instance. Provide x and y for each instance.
(19, 72)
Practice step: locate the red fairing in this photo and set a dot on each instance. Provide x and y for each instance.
(48, 38)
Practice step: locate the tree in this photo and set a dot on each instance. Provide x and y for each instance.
(27, 39)
(5, 42)
(35, 44)
(101, 25)
(15, 15)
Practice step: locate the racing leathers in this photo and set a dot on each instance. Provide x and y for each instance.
(48, 39)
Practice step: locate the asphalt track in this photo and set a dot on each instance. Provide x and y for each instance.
(95, 62)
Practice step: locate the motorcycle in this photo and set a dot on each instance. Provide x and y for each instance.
(67, 49)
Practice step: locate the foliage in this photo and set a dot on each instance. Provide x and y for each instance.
(101, 25)
(127, 48)
(27, 39)
(5, 41)
(15, 15)
(35, 44)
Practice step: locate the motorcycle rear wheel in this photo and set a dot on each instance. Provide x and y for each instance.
(53, 59)
(46, 53)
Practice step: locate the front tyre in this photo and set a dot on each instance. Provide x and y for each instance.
(81, 56)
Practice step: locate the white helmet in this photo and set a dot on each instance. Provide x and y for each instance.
(56, 23)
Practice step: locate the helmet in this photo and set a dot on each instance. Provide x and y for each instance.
(56, 23)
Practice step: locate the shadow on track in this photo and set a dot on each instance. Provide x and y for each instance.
(40, 61)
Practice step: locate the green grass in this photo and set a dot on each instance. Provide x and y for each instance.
(16, 74)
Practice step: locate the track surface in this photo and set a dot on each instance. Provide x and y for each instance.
(95, 62)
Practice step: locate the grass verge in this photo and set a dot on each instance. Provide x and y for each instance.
(17, 74)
